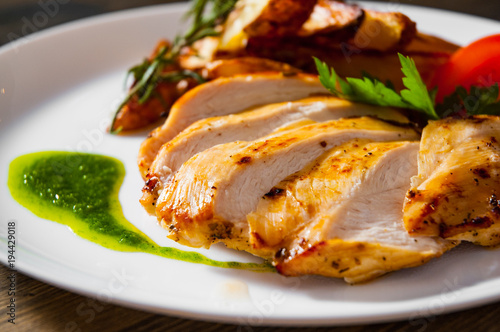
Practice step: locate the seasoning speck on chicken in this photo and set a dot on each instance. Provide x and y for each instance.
(188, 203)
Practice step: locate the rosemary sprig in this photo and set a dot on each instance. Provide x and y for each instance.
(149, 73)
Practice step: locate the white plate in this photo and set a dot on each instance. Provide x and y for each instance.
(60, 89)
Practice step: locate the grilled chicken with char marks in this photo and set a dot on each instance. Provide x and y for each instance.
(246, 126)
(266, 162)
(226, 96)
(456, 193)
(208, 199)
(341, 216)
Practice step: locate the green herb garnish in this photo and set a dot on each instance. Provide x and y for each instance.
(416, 93)
(370, 90)
(416, 96)
(150, 73)
(478, 100)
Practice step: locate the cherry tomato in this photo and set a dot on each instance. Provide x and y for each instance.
(476, 64)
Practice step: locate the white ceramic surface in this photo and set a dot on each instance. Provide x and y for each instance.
(60, 89)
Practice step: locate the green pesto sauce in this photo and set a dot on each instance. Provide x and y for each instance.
(81, 191)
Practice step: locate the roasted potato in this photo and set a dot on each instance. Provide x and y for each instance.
(271, 18)
(285, 35)
(331, 16)
(384, 31)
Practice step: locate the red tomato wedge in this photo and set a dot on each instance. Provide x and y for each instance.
(476, 64)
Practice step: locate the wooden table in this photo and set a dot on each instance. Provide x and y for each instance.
(41, 307)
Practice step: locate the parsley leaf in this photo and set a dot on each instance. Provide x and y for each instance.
(372, 91)
(330, 80)
(369, 90)
(416, 93)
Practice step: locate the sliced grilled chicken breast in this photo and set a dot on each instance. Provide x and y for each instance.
(248, 126)
(326, 182)
(342, 215)
(456, 193)
(208, 199)
(226, 96)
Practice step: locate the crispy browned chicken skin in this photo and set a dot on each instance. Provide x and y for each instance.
(456, 193)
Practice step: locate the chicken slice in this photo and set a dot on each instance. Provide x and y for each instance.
(248, 126)
(456, 193)
(208, 199)
(327, 181)
(342, 215)
(226, 96)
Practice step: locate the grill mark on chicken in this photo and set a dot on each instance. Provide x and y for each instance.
(249, 182)
(151, 184)
(261, 241)
(226, 96)
(459, 174)
(274, 193)
(244, 160)
(481, 172)
(248, 126)
(446, 231)
(308, 249)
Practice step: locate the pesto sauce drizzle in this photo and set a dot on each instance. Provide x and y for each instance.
(81, 191)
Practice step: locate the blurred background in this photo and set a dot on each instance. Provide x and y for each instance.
(22, 17)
